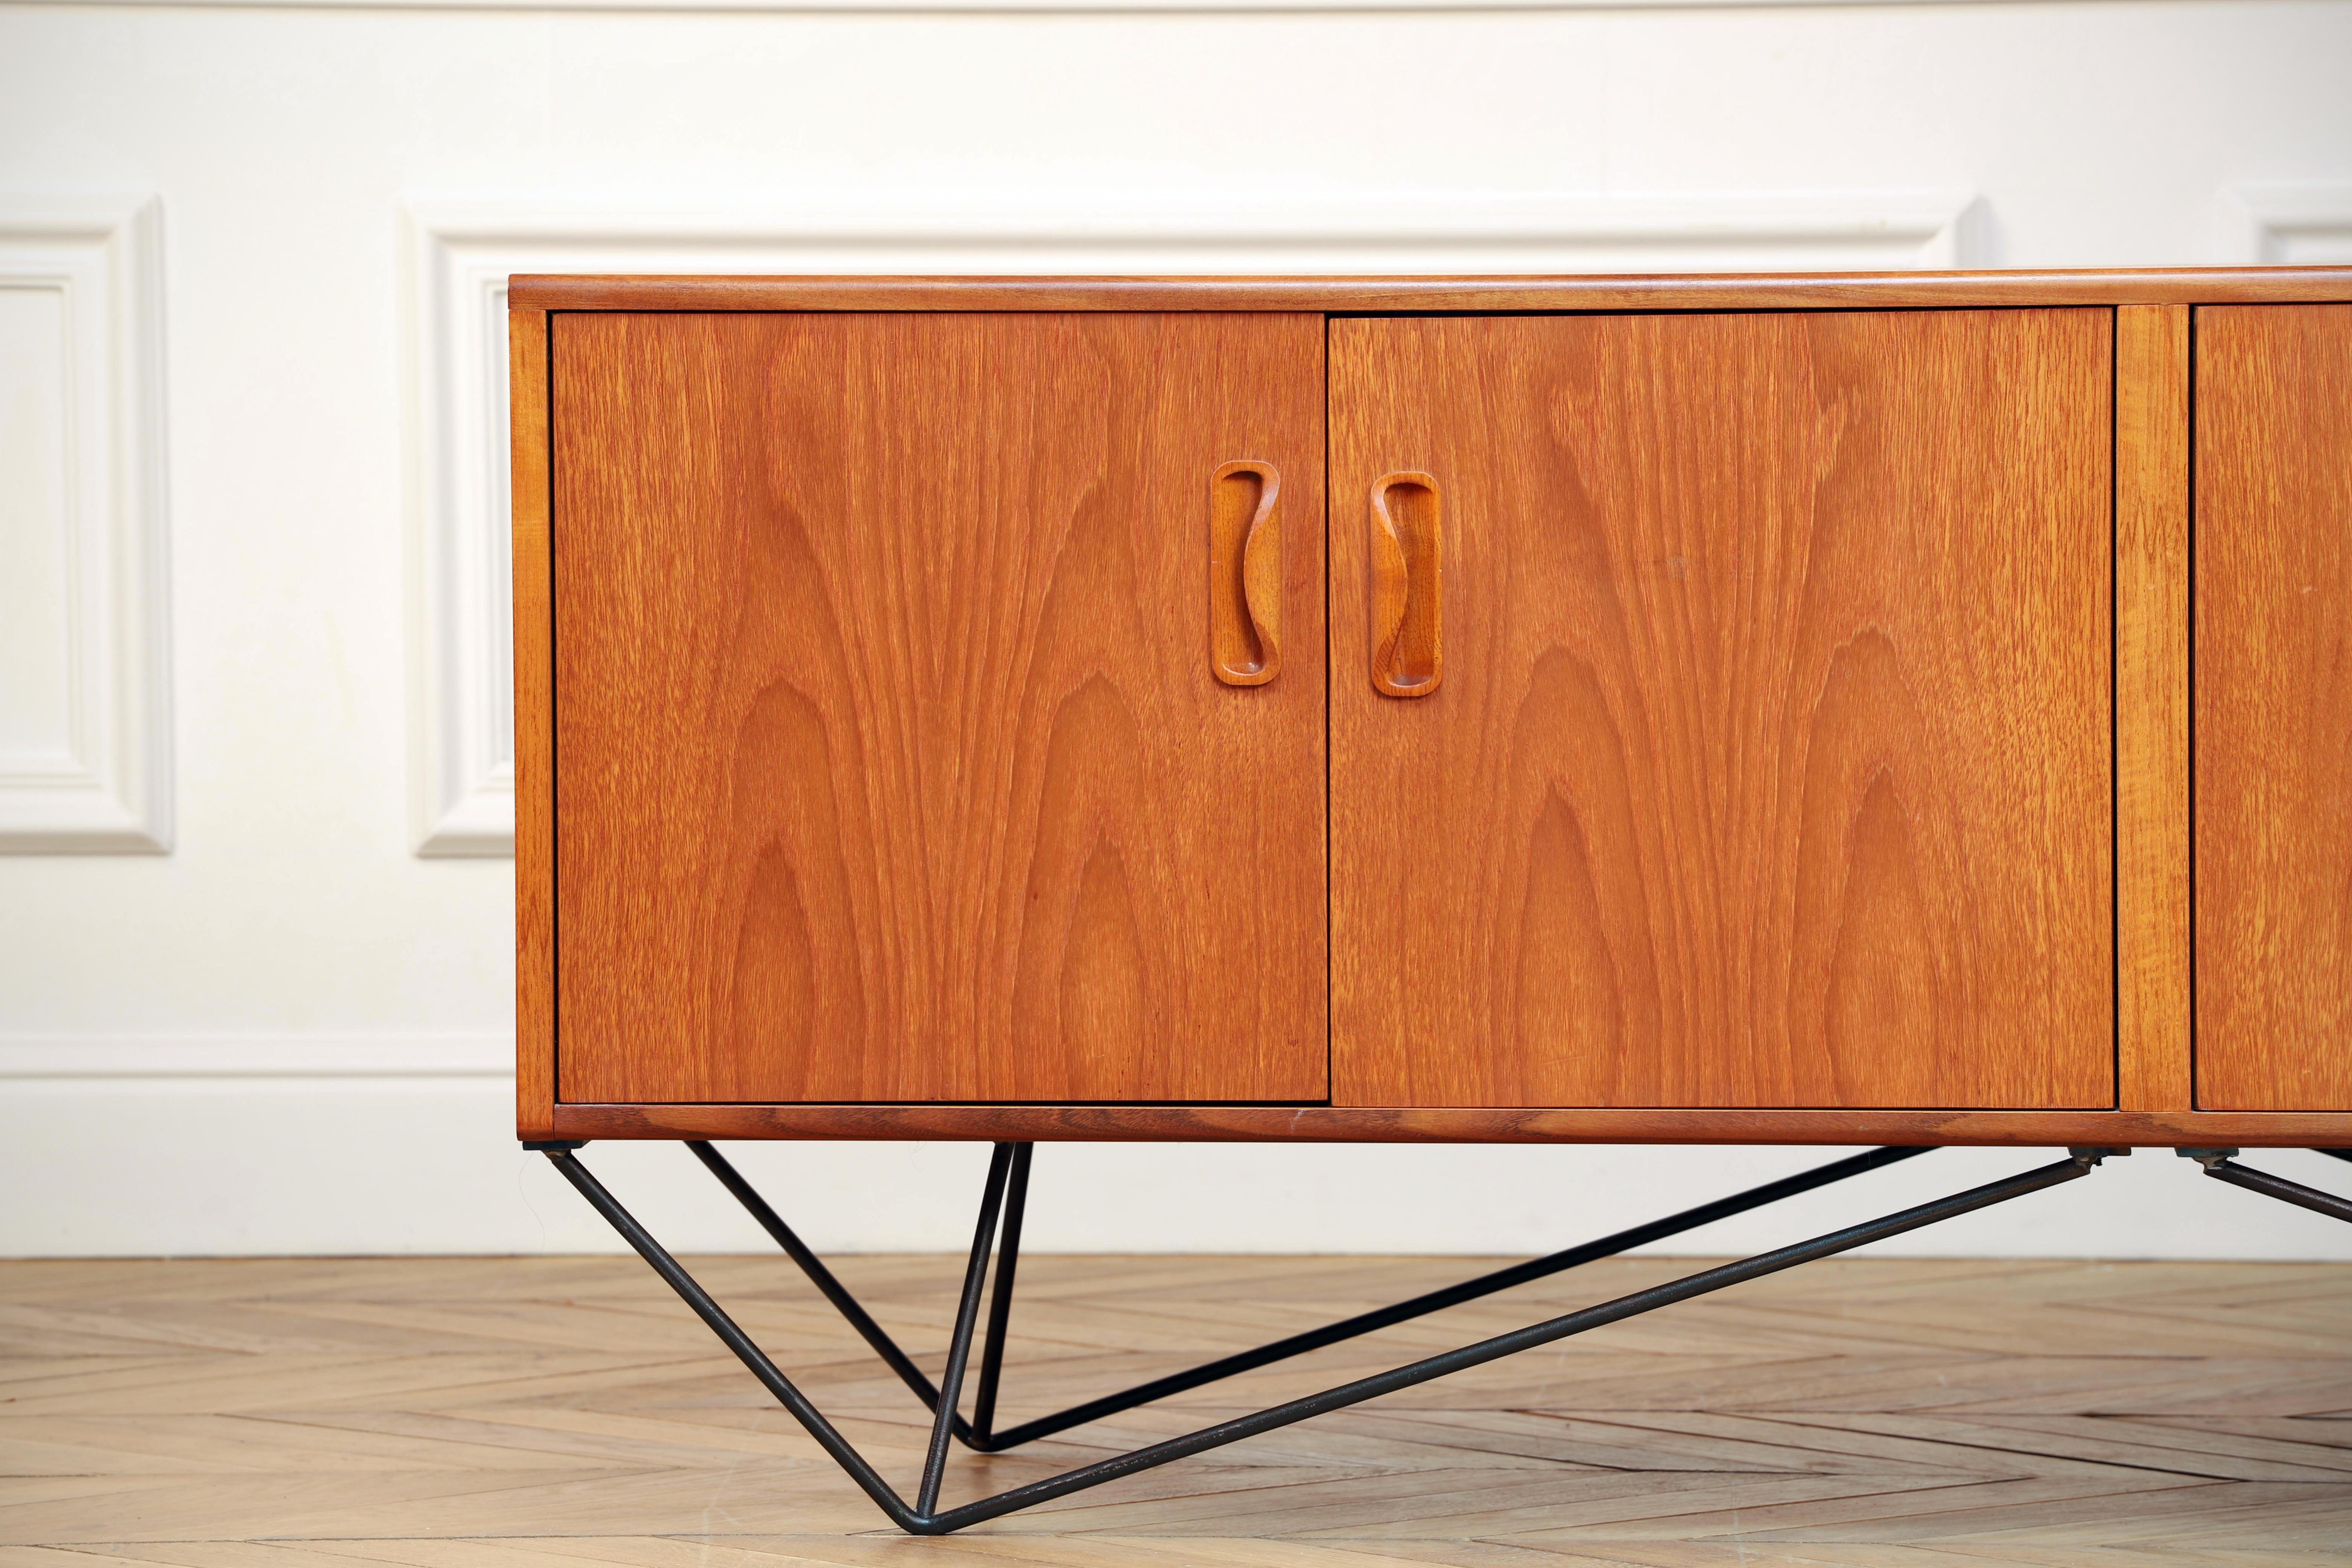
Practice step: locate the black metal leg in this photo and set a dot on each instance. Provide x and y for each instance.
(980, 1434)
(973, 1434)
(927, 1519)
(943, 1415)
(830, 1439)
(1000, 1302)
(834, 1291)
(2221, 1165)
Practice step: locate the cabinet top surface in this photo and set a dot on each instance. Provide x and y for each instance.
(1376, 295)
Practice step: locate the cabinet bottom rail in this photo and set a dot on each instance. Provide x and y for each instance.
(1002, 1200)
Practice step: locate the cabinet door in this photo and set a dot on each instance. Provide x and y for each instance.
(1765, 752)
(890, 760)
(2273, 708)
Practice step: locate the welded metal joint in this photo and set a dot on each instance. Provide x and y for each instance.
(2222, 1165)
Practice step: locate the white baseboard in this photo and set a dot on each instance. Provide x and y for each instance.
(159, 1160)
(207, 1056)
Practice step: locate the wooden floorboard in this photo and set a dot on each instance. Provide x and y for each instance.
(522, 1412)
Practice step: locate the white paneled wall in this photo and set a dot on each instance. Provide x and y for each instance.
(84, 638)
(280, 233)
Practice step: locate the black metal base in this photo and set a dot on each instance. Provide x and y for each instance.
(1003, 1201)
(979, 1433)
(2220, 1164)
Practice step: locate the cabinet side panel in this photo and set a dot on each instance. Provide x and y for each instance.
(894, 761)
(534, 730)
(2152, 707)
(2274, 708)
(1773, 761)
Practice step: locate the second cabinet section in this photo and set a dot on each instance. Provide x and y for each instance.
(1721, 709)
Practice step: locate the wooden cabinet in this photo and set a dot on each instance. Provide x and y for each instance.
(2273, 707)
(1771, 765)
(1752, 709)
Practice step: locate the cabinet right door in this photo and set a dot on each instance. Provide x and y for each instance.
(1721, 710)
(2272, 706)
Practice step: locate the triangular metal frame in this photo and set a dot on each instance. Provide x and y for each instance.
(1001, 1205)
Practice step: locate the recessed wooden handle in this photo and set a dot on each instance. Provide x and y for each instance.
(1408, 585)
(1244, 573)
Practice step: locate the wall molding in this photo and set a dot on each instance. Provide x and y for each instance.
(89, 596)
(456, 255)
(300, 1056)
(2291, 224)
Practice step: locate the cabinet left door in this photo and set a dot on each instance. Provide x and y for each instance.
(893, 760)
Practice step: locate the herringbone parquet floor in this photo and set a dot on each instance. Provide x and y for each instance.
(505, 1413)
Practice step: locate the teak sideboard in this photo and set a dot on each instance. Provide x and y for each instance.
(1895, 707)
(1902, 709)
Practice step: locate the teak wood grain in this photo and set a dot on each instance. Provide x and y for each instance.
(1773, 762)
(892, 763)
(2266, 955)
(2152, 1022)
(534, 730)
(2274, 708)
